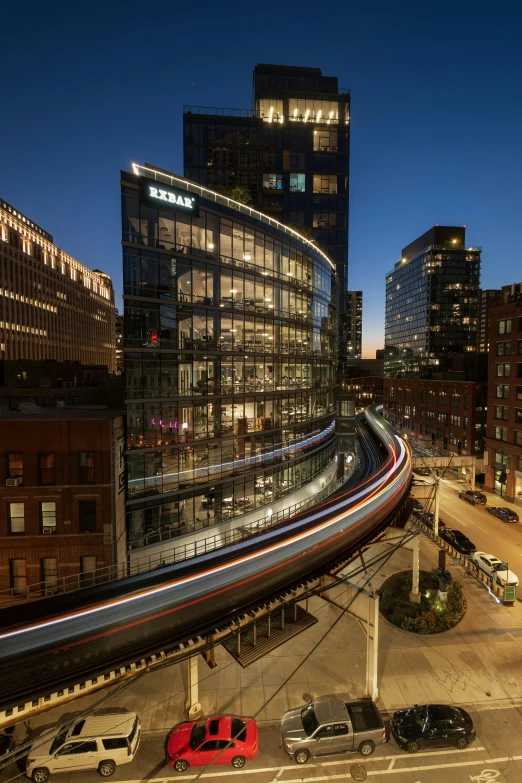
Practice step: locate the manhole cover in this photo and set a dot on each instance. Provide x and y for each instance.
(358, 772)
(307, 697)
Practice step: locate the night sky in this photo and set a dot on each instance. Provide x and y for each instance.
(87, 88)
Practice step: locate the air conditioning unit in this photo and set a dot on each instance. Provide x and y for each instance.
(47, 530)
(14, 482)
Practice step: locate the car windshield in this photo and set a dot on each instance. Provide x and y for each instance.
(310, 722)
(197, 735)
(58, 742)
(500, 567)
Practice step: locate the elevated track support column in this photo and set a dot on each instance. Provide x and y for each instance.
(415, 594)
(372, 649)
(192, 705)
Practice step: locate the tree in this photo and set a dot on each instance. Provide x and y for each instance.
(236, 193)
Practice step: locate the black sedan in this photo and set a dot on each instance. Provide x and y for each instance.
(428, 519)
(503, 513)
(432, 726)
(458, 541)
(422, 471)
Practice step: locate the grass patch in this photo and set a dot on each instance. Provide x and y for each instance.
(431, 615)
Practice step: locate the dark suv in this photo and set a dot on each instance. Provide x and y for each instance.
(475, 498)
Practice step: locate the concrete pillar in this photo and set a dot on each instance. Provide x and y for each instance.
(415, 595)
(192, 705)
(372, 649)
(436, 511)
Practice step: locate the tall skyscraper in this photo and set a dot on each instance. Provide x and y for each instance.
(230, 360)
(51, 306)
(354, 324)
(432, 304)
(290, 152)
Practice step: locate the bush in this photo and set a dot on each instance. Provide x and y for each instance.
(430, 615)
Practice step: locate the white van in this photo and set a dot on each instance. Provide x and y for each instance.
(101, 742)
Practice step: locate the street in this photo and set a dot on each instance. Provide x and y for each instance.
(495, 756)
(488, 533)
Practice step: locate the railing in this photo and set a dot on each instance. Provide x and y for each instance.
(177, 554)
(215, 111)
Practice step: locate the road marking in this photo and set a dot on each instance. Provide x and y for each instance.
(392, 762)
(344, 760)
(278, 776)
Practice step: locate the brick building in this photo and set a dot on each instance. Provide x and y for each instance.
(447, 414)
(489, 297)
(366, 390)
(62, 508)
(504, 423)
(51, 306)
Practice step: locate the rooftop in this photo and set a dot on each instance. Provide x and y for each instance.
(62, 414)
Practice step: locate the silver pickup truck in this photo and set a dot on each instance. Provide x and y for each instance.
(329, 725)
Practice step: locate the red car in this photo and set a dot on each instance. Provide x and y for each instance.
(194, 744)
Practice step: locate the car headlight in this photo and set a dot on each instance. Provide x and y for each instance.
(289, 746)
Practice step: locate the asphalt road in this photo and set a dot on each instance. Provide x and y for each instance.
(488, 533)
(496, 756)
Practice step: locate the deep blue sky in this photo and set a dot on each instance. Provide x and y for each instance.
(436, 114)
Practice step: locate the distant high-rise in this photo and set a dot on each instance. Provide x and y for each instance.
(120, 336)
(289, 154)
(51, 306)
(354, 324)
(432, 304)
(490, 297)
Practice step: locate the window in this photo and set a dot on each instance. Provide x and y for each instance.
(504, 327)
(455, 421)
(502, 392)
(87, 516)
(50, 571)
(86, 467)
(503, 349)
(519, 370)
(325, 732)
(325, 183)
(519, 347)
(297, 183)
(18, 575)
(340, 729)
(519, 392)
(518, 437)
(46, 468)
(501, 412)
(503, 370)
(442, 418)
(501, 433)
(114, 743)
(273, 181)
(501, 458)
(16, 518)
(76, 748)
(455, 401)
(48, 517)
(15, 465)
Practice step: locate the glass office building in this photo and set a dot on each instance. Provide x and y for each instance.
(230, 357)
(290, 152)
(432, 304)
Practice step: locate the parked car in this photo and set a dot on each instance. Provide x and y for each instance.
(417, 504)
(432, 726)
(495, 568)
(503, 513)
(7, 744)
(458, 541)
(428, 519)
(475, 498)
(330, 726)
(196, 744)
(101, 742)
(422, 471)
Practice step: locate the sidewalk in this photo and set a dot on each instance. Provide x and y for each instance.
(477, 663)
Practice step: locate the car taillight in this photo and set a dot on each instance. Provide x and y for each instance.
(473, 731)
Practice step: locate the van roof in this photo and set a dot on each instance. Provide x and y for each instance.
(118, 724)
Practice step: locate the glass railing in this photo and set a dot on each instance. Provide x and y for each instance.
(171, 556)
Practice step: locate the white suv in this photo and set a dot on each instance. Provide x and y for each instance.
(100, 742)
(495, 568)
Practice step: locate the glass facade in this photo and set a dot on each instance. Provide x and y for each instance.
(290, 153)
(432, 304)
(230, 362)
